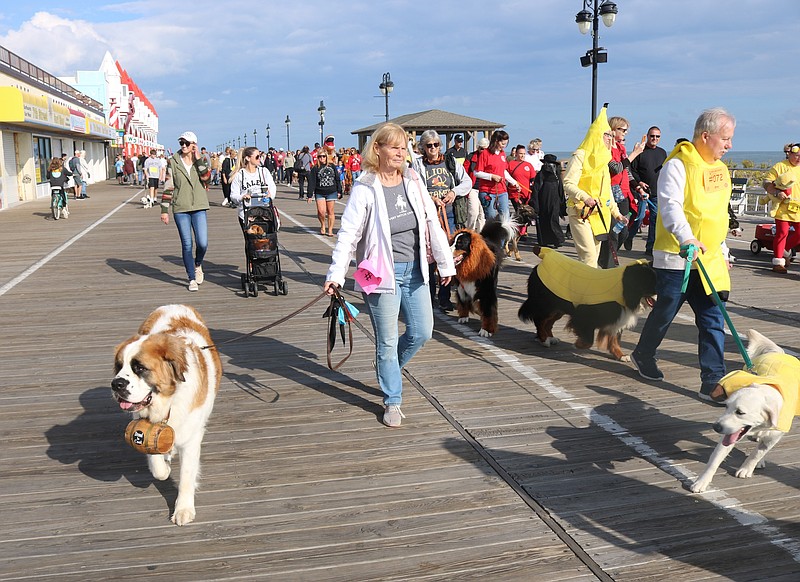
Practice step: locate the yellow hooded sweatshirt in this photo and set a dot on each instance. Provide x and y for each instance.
(782, 372)
(705, 204)
(579, 283)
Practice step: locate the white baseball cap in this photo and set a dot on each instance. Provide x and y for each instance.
(188, 136)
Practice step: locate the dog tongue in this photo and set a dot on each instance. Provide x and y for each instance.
(730, 439)
(125, 405)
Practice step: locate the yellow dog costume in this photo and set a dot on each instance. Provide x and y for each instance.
(781, 371)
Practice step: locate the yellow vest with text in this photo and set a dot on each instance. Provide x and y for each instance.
(782, 372)
(705, 204)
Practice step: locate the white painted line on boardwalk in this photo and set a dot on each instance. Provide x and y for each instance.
(42, 262)
(716, 497)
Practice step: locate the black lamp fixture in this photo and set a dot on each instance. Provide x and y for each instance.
(288, 122)
(267, 128)
(322, 111)
(588, 20)
(386, 87)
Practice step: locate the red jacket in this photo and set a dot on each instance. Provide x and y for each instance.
(492, 164)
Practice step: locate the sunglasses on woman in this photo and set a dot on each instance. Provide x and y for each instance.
(183, 143)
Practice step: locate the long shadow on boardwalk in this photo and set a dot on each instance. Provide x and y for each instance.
(94, 440)
(602, 504)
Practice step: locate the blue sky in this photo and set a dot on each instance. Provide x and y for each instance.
(223, 69)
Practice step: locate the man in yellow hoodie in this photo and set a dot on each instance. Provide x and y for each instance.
(694, 189)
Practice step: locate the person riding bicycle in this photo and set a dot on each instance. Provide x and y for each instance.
(58, 176)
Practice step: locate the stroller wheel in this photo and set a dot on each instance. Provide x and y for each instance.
(254, 289)
(244, 284)
(284, 288)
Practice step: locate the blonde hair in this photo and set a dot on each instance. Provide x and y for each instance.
(386, 134)
(617, 122)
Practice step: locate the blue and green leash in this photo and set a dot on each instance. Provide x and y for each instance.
(690, 251)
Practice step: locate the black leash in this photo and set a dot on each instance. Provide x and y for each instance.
(337, 305)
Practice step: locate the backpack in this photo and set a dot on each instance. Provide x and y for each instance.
(299, 166)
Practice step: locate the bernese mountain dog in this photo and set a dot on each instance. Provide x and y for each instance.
(478, 257)
(604, 300)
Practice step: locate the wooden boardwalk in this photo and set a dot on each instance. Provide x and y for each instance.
(515, 462)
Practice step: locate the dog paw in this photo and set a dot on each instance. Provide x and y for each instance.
(699, 486)
(745, 472)
(626, 359)
(183, 516)
(159, 468)
(463, 320)
(484, 333)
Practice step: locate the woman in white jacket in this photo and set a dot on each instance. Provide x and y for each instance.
(390, 226)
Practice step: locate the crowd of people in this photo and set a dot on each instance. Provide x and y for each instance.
(412, 195)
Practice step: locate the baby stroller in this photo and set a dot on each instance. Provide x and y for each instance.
(262, 259)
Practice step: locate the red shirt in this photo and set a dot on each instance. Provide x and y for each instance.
(354, 163)
(492, 164)
(523, 173)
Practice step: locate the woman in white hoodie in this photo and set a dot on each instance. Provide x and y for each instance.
(390, 226)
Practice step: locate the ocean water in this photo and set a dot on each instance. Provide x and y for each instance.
(735, 156)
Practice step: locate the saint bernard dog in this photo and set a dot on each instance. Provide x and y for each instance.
(163, 373)
(478, 257)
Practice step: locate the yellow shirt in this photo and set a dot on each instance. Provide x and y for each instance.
(788, 210)
(706, 196)
(782, 372)
(579, 283)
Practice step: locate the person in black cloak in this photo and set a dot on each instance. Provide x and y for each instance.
(549, 202)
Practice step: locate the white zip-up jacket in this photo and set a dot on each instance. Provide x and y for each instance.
(365, 231)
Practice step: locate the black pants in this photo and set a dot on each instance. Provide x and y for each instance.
(301, 181)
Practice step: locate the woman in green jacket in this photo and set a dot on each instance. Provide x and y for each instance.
(186, 193)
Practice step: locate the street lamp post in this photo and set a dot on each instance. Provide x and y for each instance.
(588, 19)
(321, 110)
(267, 128)
(255, 138)
(386, 87)
(239, 140)
(245, 139)
(288, 123)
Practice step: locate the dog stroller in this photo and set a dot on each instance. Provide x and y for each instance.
(262, 259)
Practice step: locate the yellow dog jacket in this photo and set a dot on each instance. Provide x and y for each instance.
(782, 372)
(579, 283)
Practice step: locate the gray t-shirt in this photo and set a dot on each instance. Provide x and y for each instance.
(402, 224)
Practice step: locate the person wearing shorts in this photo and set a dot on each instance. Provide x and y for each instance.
(325, 186)
(152, 169)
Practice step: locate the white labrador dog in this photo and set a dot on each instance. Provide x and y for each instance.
(760, 405)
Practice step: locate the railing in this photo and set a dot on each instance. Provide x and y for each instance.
(31, 71)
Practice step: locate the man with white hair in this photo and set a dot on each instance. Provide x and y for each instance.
(694, 188)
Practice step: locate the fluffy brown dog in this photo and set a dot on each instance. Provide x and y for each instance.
(478, 257)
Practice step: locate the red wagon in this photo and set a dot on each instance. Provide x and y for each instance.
(765, 234)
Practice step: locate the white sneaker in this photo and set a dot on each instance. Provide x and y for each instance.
(393, 416)
(225, 202)
(193, 286)
(198, 274)
(65, 212)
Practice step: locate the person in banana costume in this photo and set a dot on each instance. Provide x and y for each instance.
(590, 205)
(782, 184)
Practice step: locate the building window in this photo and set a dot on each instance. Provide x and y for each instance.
(42, 153)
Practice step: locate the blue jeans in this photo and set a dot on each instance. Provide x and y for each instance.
(188, 222)
(392, 353)
(497, 205)
(707, 317)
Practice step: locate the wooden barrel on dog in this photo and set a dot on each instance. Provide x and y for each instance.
(149, 438)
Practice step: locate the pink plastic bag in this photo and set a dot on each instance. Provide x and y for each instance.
(367, 277)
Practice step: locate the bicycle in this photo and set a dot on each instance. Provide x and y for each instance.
(58, 202)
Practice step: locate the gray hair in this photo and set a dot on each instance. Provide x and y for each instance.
(711, 121)
(429, 136)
